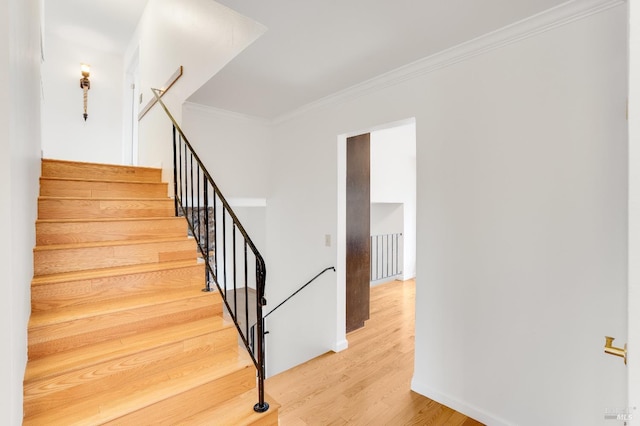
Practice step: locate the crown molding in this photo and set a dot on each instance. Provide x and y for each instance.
(550, 19)
(226, 113)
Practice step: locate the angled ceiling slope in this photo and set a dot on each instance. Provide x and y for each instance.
(314, 49)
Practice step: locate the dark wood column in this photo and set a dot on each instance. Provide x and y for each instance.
(358, 231)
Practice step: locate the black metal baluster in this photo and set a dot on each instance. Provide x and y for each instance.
(224, 250)
(235, 281)
(180, 171)
(175, 168)
(207, 269)
(215, 234)
(262, 405)
(193, 221)
(186, 183)
(200, 239)
(246, 288)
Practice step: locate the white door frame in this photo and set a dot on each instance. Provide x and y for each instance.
(341, 342)
(633, 337)
(131, 107)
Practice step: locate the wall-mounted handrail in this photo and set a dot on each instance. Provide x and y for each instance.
(299, 290)
(251, 333)
(227, 249)
(172, 80)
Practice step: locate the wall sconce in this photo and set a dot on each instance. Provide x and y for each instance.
(85, 85)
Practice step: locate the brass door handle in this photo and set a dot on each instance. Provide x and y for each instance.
(612, 350)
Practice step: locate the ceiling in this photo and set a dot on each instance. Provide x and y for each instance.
(313, 49)
(106, 23)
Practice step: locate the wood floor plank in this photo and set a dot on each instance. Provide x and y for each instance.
(370, 382)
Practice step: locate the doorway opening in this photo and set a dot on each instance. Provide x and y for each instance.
(392, 190)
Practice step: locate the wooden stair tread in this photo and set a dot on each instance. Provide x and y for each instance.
(99, 188)
(90, 163)
(48, 197)
(102, 207)
(71, 360)
(237, 411)
(85, 382)
(146, 391)
(63, 168)
(111, 243)
(109, 272)
(85, 311)
(72, 231)
(111, 219)
(53, 337)
(88, 375)
(59, 258)
(88, 179)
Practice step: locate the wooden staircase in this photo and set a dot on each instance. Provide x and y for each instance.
(120, 331)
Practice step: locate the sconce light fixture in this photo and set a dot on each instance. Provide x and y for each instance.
(85, 85)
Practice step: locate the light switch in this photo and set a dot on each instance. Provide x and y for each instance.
(327, 240)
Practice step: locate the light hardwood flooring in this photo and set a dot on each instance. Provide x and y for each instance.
(369, 383)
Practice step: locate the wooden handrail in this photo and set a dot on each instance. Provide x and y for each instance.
(176, 75)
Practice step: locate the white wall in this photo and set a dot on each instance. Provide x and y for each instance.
(521, 159)
(234, 149)
(526, 229)
(393, 179)
(19, 171)
(65, 134)
(200, 35)
(387, 218)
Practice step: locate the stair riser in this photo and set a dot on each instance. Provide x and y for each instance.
(100, 189)
(63, 169)
(80, 384)
(81, 259)
(65, 294)
(64, 336)
(48, 233)
(103, 209)
(170, 411)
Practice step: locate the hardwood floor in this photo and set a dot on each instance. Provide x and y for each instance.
(369, 383)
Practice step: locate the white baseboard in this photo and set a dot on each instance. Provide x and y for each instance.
(460, 406)
(340, 346)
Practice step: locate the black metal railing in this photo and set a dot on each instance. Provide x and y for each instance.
(232, 261)
(386, 259)
(252, 330)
